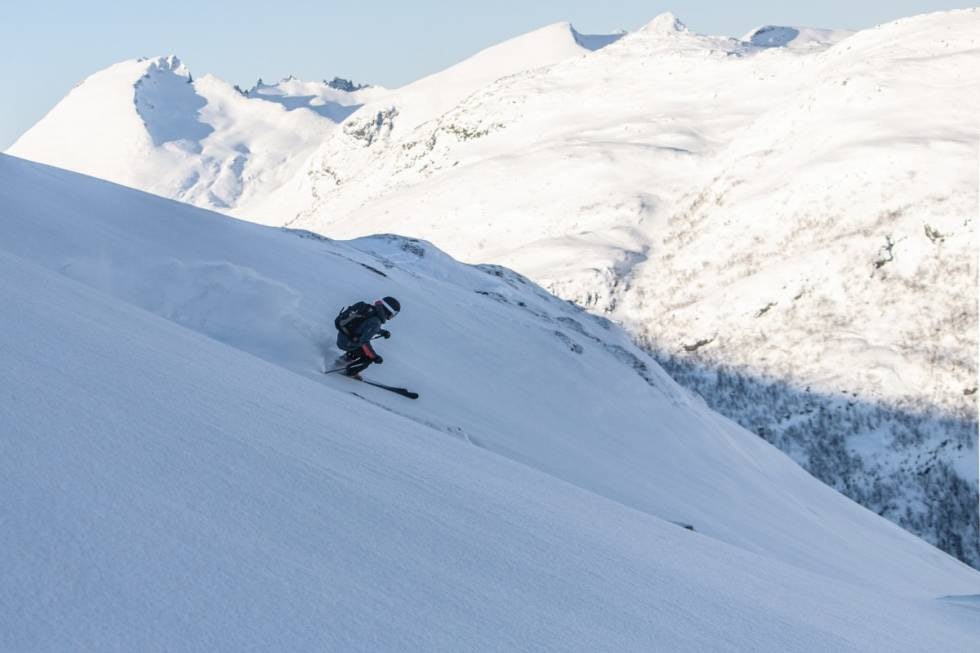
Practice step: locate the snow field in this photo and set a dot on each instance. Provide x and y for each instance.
(179, 475)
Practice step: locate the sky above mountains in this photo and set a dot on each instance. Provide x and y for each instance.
(46, 48)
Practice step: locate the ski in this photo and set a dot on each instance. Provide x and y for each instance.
(405, 392)
(398, 391)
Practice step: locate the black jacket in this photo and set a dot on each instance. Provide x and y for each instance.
(362, 335)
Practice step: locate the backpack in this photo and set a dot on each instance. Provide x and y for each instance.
(350, 319)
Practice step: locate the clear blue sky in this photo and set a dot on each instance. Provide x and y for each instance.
(46, 47)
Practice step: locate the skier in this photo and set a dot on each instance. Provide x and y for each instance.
(356, 326)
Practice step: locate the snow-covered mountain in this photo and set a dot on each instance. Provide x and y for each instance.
(397, 120)
(828, 269)
(178, 474)
(791, 230)
(149, 124)
(786, 221)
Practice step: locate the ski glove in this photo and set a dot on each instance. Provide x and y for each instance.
(384, 333)
(377, 360)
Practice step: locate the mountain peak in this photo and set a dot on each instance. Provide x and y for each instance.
(665, 23)
(346, 85)
(166, 63)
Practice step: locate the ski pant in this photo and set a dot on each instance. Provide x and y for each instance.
(359, 364)
(359, 359)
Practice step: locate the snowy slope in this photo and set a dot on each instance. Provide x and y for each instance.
(169, 490)
(695, 188)
(602, 146)
(433, 95)
(860, 282)
(729, 200)
(399, 121)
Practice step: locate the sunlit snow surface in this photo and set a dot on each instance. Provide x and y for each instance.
(177, 474)
(787, 220)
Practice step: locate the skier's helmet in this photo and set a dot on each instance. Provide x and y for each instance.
(390, 306)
